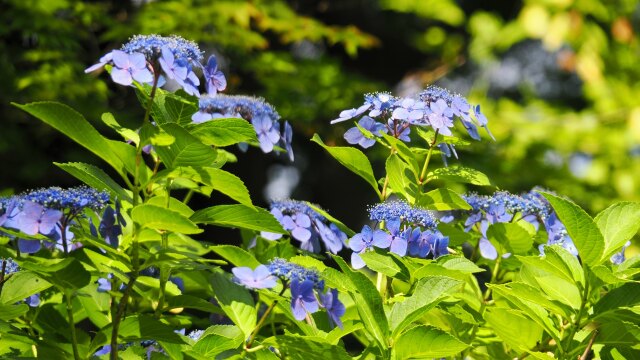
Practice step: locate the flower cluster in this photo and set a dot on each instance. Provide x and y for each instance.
(307, 226)
(308, 293)
(434, 108)
(504, 207)
(50, 212)
(406, 229)
(145, 57)
(261, 114)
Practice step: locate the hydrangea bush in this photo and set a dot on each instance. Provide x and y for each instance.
(118, 268)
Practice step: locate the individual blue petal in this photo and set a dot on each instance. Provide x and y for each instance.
(487, 250)
(381, 239)
(356, 261)
(28, 246)
(260, 278)
(303, 300)
(335, 309)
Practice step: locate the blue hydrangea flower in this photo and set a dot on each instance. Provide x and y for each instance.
(145, 57)
(35, 218)
(109, 229)
(260, 278)
(303, 300)
(409, 110)
(355, 136)
(289, 271)
(380, 103)
(397, 238)
(214, 78)
(618, 258)
(335, 309)
(268, 132)
(287, 136)
(365, 240)
(401, 210)
(307, 226)
(195, 335)
(441, 117)
(351, 113)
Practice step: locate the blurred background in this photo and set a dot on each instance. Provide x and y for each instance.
(558, 80)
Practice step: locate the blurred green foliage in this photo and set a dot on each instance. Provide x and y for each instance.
(558, 79)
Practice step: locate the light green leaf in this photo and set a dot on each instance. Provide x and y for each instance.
(513, 237)
(96, 178)
(442, 199)
(557, 288)
(159, 218)
(21, 285)
(236, 255)
(218, 179)
(224, 132)
(459, 174)
(403, 182)
(425, 342)
(127, 134)
(168, 107)
(236, 302)
(583, 230)
(353, 159)
(526, 292)
(428, 292)
(174, 204)
(386, 263)
(368, 302)
(514, 328)
(9, 311)
(187, 150)
(191, 302)
(404, 152)
(459, 263)
(238, 216)
(618, 223)
(557, 261)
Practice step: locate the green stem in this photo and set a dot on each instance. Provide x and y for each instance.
(264, 318)
(187, 197)
(122, 306)
(423, 173)
(585, 354)
(494, 276)
(165, 272)
(72, 325)
(576, 324)
(147, 113)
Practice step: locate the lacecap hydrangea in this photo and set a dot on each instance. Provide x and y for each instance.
(308, 293)
(434, 108)
(307, 226)
(148, 59)
(406, 230)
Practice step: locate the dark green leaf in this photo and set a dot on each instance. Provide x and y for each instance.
(296, 347)
(65, 273)
(236, 255)
(191, 302)
(627, 295)
(143, 327)
(9, 312)
(404, 152)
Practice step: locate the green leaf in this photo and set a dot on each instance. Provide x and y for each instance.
(627, 295)
(386, 263)
(224, 132)
(459, 174)
(77, 128)
(442, 199)
(127, 134)
(423, 342)
(368, 302)
(619, 333)
(337, 222)
(526, 292)
(168, 107)
(236, 302)
(296, 347)
(236, 255)
(191, 302)
(514, 328)
(187, 150)
(583, 230)
(9, 312)
(159, 218)
(557, 261)
(238, 216)
(618, 224)
(174, 204)
(403, 182)
(459, 263)
(21, 285)
(143, 327)
(65, 273)
(96, 178)
(216, 339)
(557, 288)
(404, 152)
(428, 292)
(513, 237)
(353, 159)
(218, 179)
